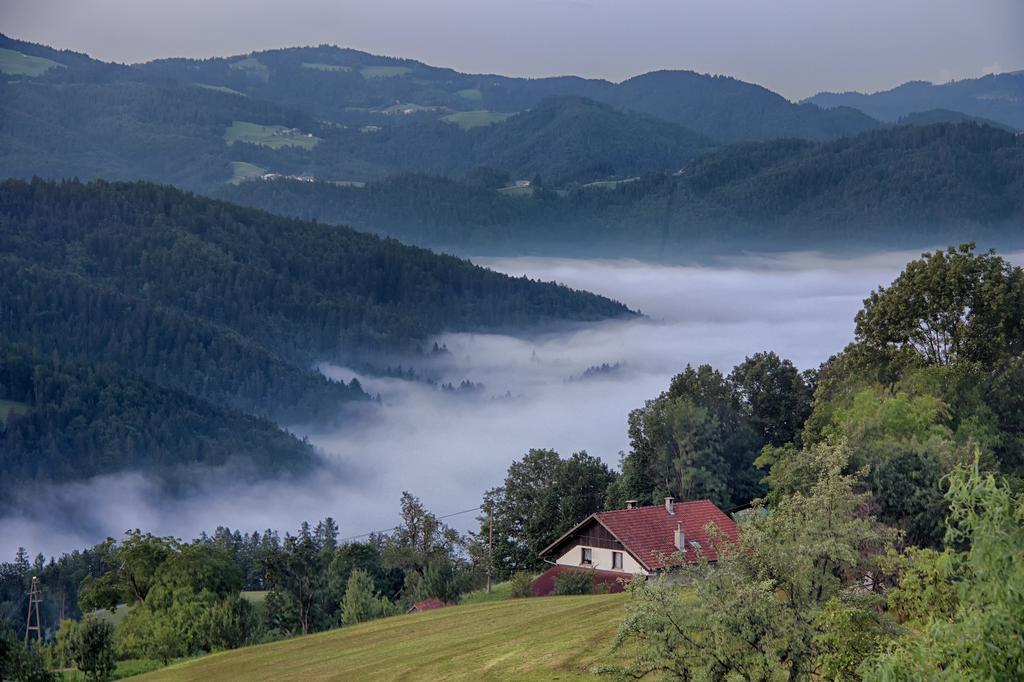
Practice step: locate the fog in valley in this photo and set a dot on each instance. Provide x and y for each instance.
(448, 447)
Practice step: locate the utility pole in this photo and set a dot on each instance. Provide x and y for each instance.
(35, 596)
(490, 547)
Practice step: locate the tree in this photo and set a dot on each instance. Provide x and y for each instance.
(21, 663)
(444, 579)
(92, 648)
(296, 574)
(696, 440)
(362, 602)
(137, 557)
(976, 634)
(761, 611)
(418, 539)
(777, 395)
(947, 307)
(542, 496)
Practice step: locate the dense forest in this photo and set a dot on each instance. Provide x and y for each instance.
(225, 304)
(903, 187)
(76, 421)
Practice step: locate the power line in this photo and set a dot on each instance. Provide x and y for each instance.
(388, 530)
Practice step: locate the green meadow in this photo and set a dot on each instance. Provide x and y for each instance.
(242, 171)
(549, 638)
(220, 88)
(274, 137)
(384, 71)
(326, 67)
(11, 406)
(475, 119)
(14, 63)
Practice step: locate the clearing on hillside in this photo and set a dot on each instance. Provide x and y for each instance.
(220, 88)
(547, 638)
(11, 407)
(384, 71)
(337, 68)
(14, 63)
(242, 171)
(475, 119)
(472, 94)
(274, 137)
(251, 67)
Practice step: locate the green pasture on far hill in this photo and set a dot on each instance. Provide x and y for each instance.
(15, 63)
(475, 119)
(274, 137)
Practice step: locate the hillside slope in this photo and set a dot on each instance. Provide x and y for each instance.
(729, 110)
(78, 421)
(550, 638)
(235, 305)
(208, 315)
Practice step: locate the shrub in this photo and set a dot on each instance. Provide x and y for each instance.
(522, 584)
(574, 582)
(92, 648)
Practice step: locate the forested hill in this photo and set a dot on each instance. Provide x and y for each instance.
(907, 187)
(999, 97)
(346, 116)
(62, 421)
(232, 304)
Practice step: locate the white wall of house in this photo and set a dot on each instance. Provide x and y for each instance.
(602, 560)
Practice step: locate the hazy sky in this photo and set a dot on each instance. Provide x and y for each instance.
(796, 47)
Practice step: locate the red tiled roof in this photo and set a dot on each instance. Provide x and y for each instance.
(428, 605)
(544, 584)
(649, 532)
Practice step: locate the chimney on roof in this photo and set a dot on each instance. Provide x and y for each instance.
(669, 506)
(680, 538)
(630, 504)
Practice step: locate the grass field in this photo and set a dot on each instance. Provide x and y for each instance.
(608, 184)
(475, 119)
(220, 88)
(384, 71)
(550, 638)
(499, 591)
(472, 94)
(242, 171)
(9, 406)
(253, 67)
(514, 191)
(326, 67)
(15, 63)
(405, 109)
(274, 137)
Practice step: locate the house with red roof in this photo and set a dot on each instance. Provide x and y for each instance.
(635, 541)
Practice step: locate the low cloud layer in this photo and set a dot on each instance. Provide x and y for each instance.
(448, 448)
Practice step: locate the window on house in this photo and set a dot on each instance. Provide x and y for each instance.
(617, 561)
(586, 555)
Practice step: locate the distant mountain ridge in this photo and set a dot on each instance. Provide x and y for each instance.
(902, 187)
(999, 97)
